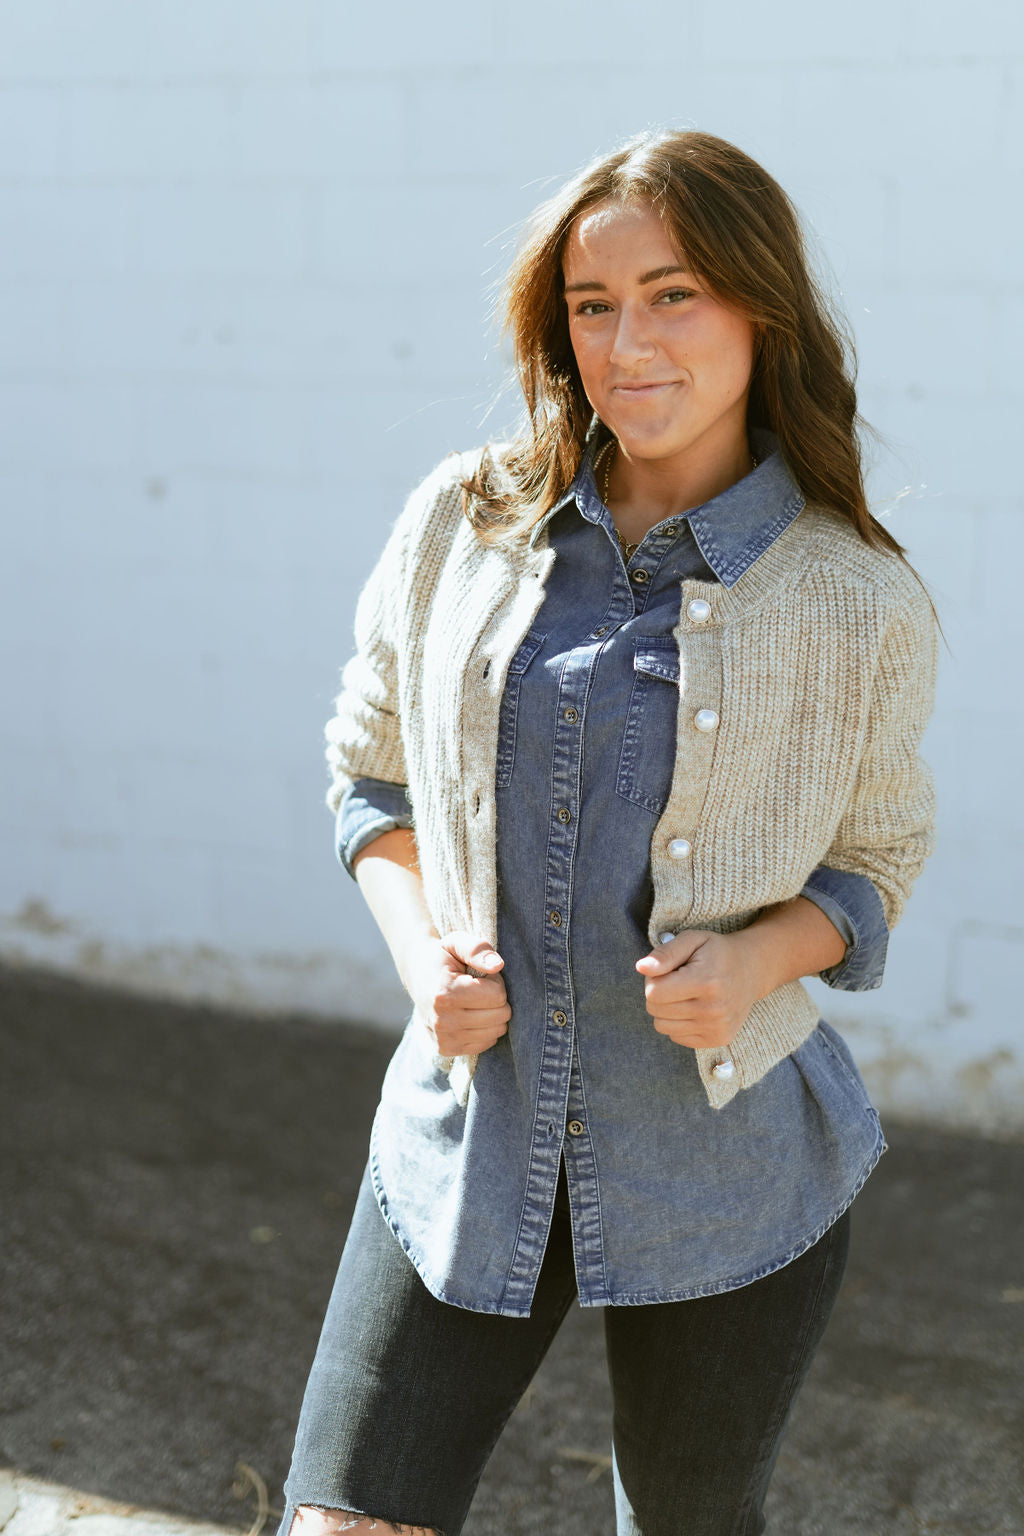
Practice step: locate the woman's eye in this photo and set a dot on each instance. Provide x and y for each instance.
(590, 307)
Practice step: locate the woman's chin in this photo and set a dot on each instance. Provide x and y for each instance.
(653, 444)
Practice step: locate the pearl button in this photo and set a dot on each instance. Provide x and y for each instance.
(699, 611)
(705, 720)
(679, 848)
(666, 938)
(723, 1070)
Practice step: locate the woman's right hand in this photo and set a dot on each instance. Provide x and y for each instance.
(454, 983)
(453, 980)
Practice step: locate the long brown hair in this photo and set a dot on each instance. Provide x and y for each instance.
(739, 233)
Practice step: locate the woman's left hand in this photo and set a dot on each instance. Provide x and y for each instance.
(700, 987)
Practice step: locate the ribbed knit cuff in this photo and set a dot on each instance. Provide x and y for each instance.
(774, 1027)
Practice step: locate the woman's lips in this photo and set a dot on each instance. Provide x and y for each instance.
(640, 391)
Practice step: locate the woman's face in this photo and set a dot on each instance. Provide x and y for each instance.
(664, 364)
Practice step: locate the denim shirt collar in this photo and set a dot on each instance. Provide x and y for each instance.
(732, 530)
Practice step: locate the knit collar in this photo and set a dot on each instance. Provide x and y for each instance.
(732, 530)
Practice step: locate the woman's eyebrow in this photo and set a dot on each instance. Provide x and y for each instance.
(646, 277)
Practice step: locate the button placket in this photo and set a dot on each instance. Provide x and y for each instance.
(556, 1045)
(565, 766)
(651, 551)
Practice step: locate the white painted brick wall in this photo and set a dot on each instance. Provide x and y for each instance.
(247, 254)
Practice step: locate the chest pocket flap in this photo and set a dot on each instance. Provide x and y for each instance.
(657, 656)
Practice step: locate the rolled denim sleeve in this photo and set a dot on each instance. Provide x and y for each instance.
(367, 808)
(853, 905)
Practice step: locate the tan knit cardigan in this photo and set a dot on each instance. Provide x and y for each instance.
(819, 662)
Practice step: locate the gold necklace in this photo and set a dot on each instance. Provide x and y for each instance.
(629, 550)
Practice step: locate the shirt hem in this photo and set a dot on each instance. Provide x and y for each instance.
(433, 1285)
(718, 1287)
(625, 1298)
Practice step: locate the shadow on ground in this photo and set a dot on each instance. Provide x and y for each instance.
(175, 1186)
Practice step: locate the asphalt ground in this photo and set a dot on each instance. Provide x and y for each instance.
(175, 1185)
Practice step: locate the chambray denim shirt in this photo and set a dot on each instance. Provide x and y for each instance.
(669, 1198)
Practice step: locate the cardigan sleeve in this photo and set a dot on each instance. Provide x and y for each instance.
(364, 736)
(887, 829)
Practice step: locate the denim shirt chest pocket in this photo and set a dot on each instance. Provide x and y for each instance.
(648, 743)
(510, 706)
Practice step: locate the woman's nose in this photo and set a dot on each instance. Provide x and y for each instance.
(632, 342)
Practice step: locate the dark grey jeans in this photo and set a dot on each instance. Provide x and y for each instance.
(407, 1395)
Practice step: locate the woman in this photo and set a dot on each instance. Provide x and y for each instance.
(629, 745)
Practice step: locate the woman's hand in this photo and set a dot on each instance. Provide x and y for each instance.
(700, 987)
(453, 980)
(458, 992)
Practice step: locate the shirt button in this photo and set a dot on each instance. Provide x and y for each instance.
(640, 577)
(705, 720)
(560, 1018)
(679, 848)
(564, 815)
(572, 715)
(575, 1127)
(556, 918)
(699, 611)
(670, 531)
(602, 630)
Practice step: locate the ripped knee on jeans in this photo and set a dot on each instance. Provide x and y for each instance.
(310, 1520)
